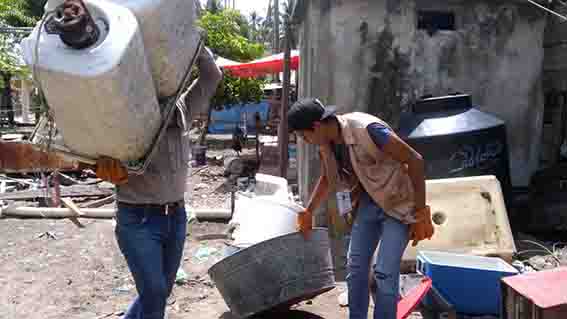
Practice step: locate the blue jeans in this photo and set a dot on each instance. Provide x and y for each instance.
(371, 226)
(152, 244)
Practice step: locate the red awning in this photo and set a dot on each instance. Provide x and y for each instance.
(268, 65)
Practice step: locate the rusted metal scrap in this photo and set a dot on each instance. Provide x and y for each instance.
(23, 157)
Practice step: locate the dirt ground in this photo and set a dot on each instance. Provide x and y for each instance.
(79, 273)
(51, 269)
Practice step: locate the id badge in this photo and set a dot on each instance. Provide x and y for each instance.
(344, 203)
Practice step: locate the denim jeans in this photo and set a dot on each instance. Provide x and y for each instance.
(152, 244)
(371, 226)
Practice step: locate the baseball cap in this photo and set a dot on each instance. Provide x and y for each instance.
(305, 112)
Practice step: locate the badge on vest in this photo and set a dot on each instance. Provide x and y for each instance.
(344, 203)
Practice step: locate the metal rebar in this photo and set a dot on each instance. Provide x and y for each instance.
(548, 10)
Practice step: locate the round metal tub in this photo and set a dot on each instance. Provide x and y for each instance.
(275, 273)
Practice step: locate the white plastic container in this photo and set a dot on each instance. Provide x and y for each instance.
(103, 97)
(261, 218)
(269, 185)
(170, 37)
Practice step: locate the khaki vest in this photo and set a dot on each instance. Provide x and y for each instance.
(385, 179)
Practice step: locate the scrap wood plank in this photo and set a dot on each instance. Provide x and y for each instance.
(100, 202)
(67, 202)
(69, 191)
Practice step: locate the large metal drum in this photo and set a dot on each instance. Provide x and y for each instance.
(275, 273)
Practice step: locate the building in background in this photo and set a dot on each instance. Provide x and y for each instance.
(380, 56)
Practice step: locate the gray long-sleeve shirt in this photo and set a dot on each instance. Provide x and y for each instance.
(165, 177)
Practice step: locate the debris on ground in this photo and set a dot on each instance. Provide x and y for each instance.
(204, 253)
(48, 235)
(181, 277)
(83, 191)
(124, 289)
(343, 299)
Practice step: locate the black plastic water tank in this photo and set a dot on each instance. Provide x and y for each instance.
(456, 139)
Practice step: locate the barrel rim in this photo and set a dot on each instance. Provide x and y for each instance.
(315, 229)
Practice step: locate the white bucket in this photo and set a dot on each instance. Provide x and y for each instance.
(261, 218)
(98, 108)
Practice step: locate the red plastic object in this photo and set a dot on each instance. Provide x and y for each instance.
(546, 289)
(410, 302)
(267, 65)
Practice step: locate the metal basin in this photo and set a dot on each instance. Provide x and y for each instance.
(275, 273)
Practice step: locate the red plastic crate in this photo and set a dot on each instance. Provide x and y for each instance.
(537, 295)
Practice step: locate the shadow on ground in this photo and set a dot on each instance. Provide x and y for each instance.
(291, 314)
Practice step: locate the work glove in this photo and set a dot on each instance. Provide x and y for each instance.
(423, 226)
(111, 170)
(305, 223)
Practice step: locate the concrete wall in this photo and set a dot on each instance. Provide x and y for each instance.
(367, 55)
(555, 61)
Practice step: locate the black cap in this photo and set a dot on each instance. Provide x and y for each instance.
(304, 113)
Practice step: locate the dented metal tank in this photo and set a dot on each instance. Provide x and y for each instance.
(98, 108)
(170, 38)
(276, 273)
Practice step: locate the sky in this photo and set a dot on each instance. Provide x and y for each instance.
(247, 6)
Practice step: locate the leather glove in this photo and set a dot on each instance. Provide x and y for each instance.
(111, 170)
(423, 226)
(305, 223)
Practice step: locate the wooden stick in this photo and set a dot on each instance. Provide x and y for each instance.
(100, 202)
(67, 202)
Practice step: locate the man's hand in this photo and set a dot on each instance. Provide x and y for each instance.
(423, 227)
(111, 170)
(305, 223)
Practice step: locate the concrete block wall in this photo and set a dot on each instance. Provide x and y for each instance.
(370, 56)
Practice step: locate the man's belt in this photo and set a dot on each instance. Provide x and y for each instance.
(162, 208)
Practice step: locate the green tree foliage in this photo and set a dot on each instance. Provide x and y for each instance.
(10, 63)
(15, 13)
(214, 6)
(227, 32)
(21, 13)
(227, 35)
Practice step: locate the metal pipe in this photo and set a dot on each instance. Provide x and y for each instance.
(211, 214)
(95, 213)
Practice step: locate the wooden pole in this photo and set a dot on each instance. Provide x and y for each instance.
(283, 135)
(276, 26)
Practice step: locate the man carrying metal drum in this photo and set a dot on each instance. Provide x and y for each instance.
(151, 217)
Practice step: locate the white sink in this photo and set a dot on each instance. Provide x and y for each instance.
(469, 217)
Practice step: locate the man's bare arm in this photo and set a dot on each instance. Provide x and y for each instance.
(197, 99)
